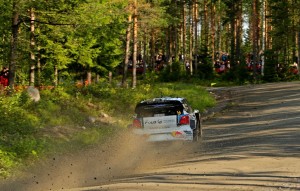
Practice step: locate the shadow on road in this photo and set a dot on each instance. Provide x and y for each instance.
(265, 121)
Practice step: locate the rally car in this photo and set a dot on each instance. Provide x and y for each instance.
(166, 119)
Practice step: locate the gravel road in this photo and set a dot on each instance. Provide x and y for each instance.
(253, 144)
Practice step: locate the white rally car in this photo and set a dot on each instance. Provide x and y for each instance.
(167, 119)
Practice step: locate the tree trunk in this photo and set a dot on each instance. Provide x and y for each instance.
(205, 46)
(14, 45)
(263, 44)
(38, 65)
(183, 32)
(89, 77)
(97, 78)
(135, 44)
(191, 37)
(213, 31)
(152, 49)
(232, 33)
(205, 23)
(144, 58)
(268, 26)
(219, 37)
(55, 76)
(299, 50)
(176, 42)
(170, 45)
(127, 51)
(196, 34)
(32, 48)
(255, 35)
(239, 30)
(175, 37)
(110, 77)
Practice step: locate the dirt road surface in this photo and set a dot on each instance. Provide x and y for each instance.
(251, 145)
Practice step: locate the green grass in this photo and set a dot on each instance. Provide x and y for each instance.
(59, 121)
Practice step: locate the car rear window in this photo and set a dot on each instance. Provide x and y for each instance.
(151, 109)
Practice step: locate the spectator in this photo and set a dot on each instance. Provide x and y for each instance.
(4, 76)
(187, 66)
(222, 67)
(217, 66)
(224, 57)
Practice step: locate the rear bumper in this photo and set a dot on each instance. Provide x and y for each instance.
(184, 133)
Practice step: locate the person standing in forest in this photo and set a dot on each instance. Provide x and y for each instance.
(187, 66)
(4, 76)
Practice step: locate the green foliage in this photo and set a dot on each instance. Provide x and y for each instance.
(8, 161)
(281, 21)
(15, 120)
(242, 74)
(205, 71)
(27, 147)
(151, 77)
(5, 29)
(237, 75)
(172, 73)
(17, 127)
(60, 108)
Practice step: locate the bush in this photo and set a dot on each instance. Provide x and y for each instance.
(205, 71)
(172, 73)
(16, 120)
(270, 73)
(8, 161)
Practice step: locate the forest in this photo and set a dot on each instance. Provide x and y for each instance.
(56, 42)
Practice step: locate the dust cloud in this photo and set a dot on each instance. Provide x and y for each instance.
(121, 157)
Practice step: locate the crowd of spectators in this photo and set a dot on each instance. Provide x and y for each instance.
(222, 63)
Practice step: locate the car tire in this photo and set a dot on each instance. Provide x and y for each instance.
(197, 132)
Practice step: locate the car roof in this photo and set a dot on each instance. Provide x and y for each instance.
(162, 99)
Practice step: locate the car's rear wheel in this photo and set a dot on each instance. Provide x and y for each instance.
(197, 132)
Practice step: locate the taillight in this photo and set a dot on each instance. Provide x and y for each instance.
(184, 120)
(137, 123)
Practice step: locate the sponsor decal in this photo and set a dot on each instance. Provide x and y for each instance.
(178, 134)
(160, 122)
(153, 122)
